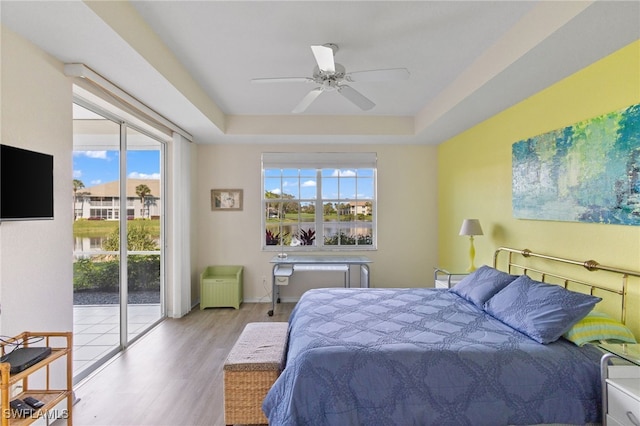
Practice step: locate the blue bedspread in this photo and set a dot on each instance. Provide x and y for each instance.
(424, 357)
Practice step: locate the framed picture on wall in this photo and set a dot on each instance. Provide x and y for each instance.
(226, 199)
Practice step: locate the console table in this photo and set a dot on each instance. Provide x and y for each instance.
(285, 266)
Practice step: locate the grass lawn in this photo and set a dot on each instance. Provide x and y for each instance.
(101, 228)
(310, 217)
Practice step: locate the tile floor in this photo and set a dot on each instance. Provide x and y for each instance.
(96, 330)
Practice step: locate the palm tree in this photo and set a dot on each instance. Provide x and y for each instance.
(368, 208)
(143, 191)
(77, 185)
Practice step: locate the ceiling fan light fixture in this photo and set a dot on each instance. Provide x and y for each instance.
(337, 74)
(331, 76)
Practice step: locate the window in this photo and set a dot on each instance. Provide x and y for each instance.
(319, 201)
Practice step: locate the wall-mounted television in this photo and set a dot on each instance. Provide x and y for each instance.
(26, 184)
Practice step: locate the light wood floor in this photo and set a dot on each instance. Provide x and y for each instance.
(173, 375)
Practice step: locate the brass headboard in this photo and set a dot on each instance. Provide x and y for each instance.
(515, 256)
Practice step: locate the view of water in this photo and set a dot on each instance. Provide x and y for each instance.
(353, 230)
(92, 244)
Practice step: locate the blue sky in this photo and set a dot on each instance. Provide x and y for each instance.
(336, 183)
(96, 167)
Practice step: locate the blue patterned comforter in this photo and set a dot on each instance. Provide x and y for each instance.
(424, 357)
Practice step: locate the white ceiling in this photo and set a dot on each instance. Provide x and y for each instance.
(192, 61)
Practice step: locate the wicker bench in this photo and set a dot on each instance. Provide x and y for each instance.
(251, 368)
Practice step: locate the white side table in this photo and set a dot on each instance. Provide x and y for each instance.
(446, 279)
(620, 384)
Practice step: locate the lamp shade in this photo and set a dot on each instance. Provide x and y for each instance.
(471, 227)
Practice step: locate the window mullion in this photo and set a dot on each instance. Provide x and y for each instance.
(319, 210)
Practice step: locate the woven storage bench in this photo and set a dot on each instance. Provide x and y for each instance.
(251, 368)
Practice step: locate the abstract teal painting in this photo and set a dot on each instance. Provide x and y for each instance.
(586, 172)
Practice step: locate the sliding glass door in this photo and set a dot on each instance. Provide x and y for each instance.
(118, 234)
(144, 188)
(96, 278)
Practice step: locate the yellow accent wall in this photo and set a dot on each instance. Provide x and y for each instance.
(474, 177)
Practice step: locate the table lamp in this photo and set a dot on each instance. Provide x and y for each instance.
(471, 227)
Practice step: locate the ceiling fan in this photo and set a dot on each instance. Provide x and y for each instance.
(331, 76)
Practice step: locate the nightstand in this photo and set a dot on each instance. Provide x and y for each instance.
(446, 279)
(620, 384)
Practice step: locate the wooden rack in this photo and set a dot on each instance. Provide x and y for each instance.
(61, 346)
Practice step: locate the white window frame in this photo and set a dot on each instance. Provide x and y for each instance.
(319, 162)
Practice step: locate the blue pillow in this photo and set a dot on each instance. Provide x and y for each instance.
(541, 311)
(482, 284)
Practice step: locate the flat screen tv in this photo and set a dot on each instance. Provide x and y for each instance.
(26, 184)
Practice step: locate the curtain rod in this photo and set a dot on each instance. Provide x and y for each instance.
(84, 72)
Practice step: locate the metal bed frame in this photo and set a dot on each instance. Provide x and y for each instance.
(589, 265)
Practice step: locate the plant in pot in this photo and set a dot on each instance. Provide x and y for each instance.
(307, 237)
(273, 239)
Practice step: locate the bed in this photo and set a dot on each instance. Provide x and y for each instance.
(417, 356)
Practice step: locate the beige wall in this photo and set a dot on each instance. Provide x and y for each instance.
(407, 230)
(474, 178)
(35, 256)
(36, 271)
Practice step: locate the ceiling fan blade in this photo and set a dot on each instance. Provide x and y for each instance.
(307, 100)
(324, 58)
(378, 75)
(356, 97)
(283, 80)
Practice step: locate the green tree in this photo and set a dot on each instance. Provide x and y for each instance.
(139, 238)
(143, 191)
(368, 208)
(77, 185)
(308, 208)
(270, 194)
(328, 208)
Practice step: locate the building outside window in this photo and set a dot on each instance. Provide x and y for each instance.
(102, 202)
(319, 201)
